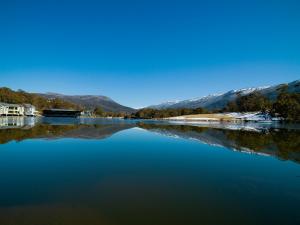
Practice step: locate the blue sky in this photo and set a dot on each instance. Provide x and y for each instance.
(144, 52)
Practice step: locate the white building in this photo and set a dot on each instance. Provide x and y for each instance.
(3, 109)
(29, 110)
(86, 113)
(11, 109)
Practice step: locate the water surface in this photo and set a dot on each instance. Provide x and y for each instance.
(86, 171)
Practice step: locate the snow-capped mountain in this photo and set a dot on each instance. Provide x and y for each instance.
(219, 101)
(163, 105)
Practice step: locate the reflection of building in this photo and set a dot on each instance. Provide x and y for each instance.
(11, 109)
(8, 122)
(30, 122)
(11, 122)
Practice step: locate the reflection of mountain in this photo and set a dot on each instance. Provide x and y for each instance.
(95, 131)
(282, 143)
(62, 131)
(277, 140)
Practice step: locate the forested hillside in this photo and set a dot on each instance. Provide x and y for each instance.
(20, 97)
(91, 102)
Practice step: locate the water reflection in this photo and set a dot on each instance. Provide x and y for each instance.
(277, 140)
(283, 143)
(138, 177)
(48, 131)
(17, 122)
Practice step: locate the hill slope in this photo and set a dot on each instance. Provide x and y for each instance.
(20, 97)
(91, 101)
(219, 101)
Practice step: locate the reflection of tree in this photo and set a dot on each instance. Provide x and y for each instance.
(41, 130)
(252, 140)
(183, 128)
(287, 142)
(85, 131)
(283, 143)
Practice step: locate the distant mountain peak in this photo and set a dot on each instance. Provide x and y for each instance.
(164, 104)
(204, 97)
(246, 91)
(82, 96)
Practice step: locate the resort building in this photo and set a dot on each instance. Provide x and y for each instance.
(86, 113)
(29, 110)
(11, 109)
(7, 109)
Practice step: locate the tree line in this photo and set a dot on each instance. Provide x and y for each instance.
(98, 111)
(149, 113)
(286, 105)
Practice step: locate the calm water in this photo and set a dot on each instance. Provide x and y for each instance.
(117, 172)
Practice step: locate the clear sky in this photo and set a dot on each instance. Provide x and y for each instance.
(144, 52)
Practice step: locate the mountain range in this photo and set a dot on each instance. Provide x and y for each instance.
(211, 102)
(219, 101)
(91, 101)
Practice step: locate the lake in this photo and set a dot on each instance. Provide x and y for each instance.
(127, 172)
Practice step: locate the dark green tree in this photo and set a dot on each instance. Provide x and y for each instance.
(249, 103)
(287, 106)
(98, 111)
